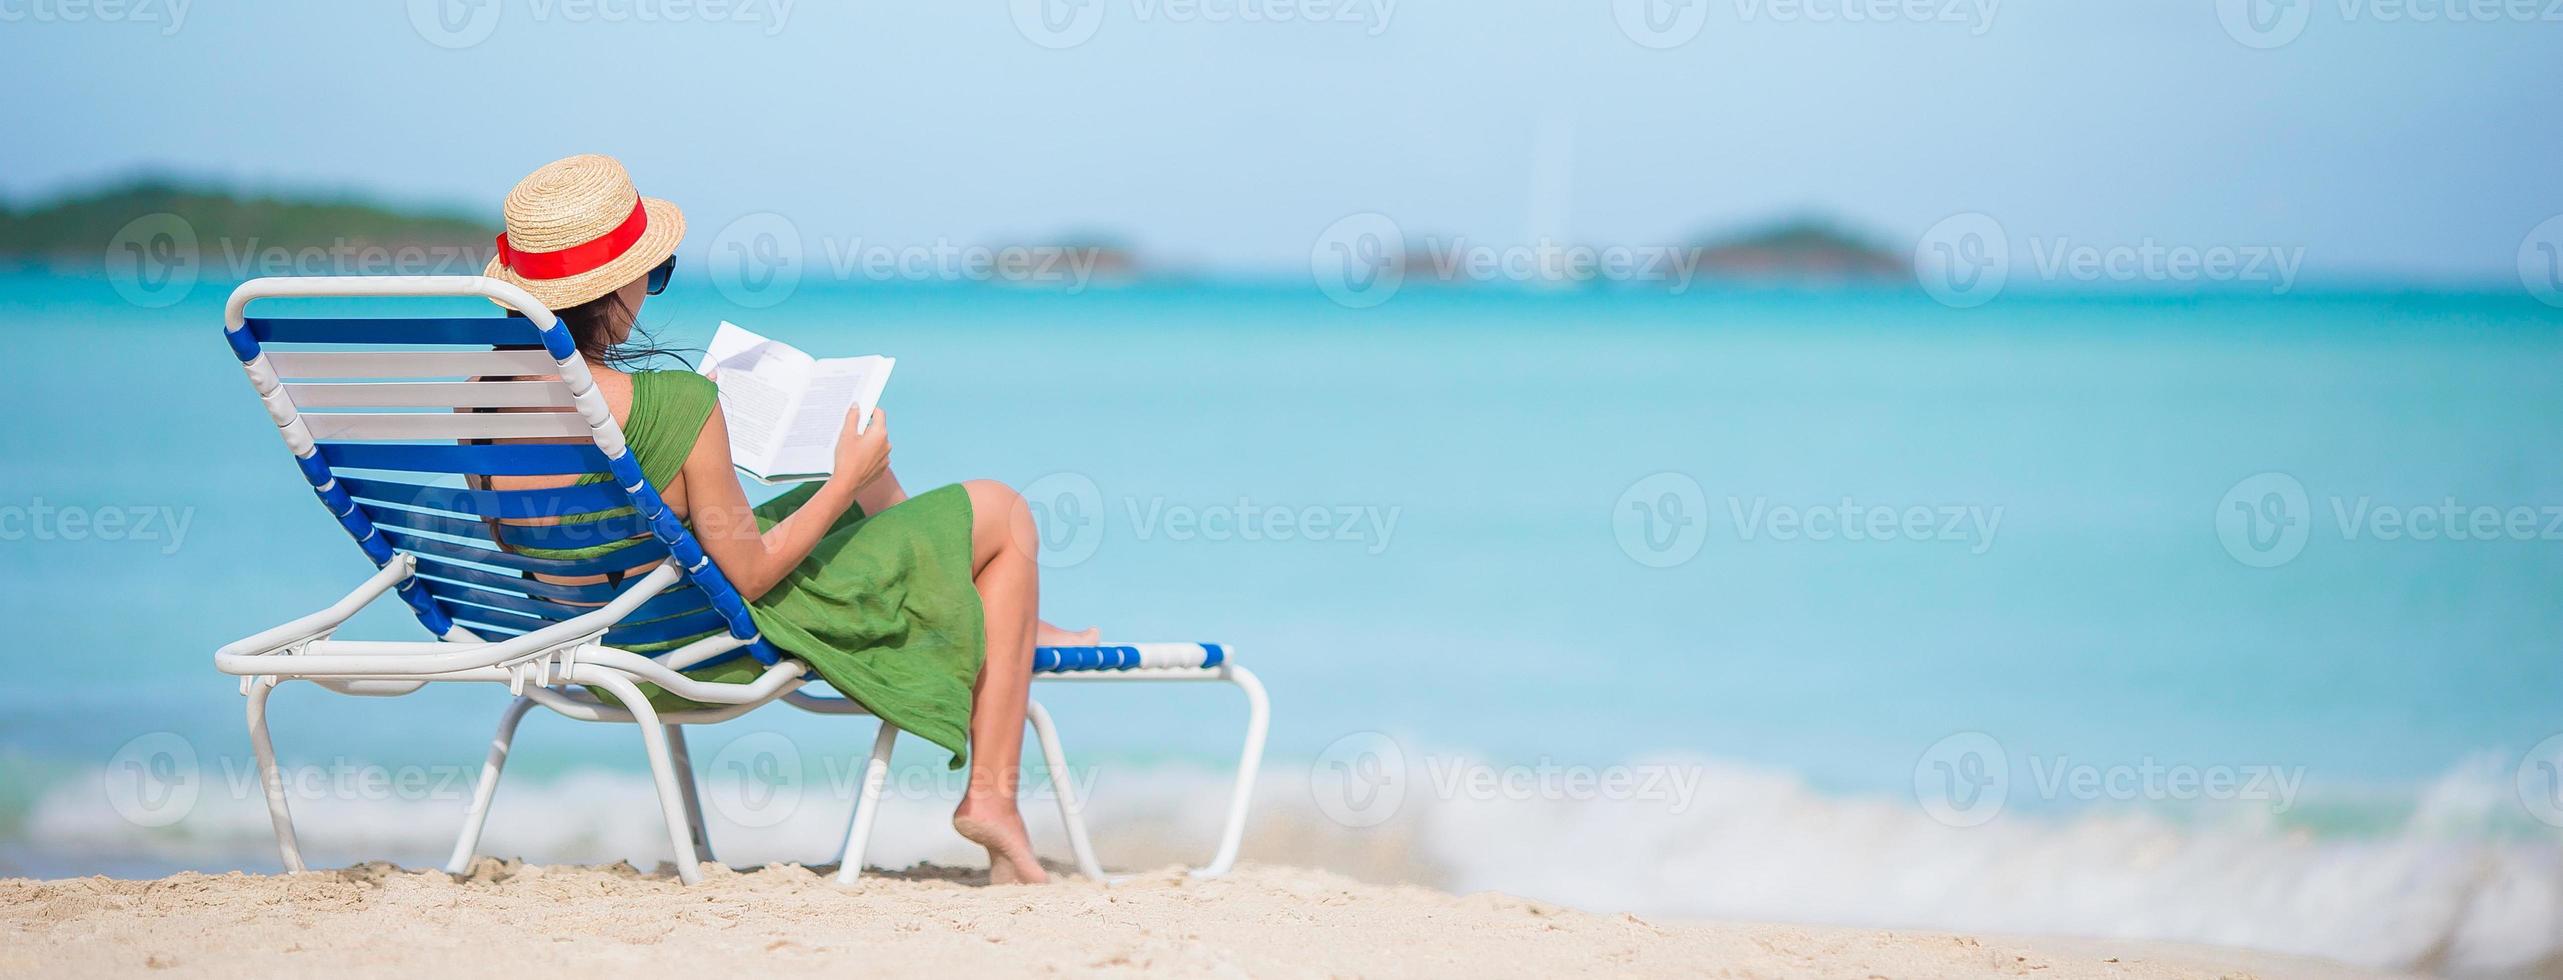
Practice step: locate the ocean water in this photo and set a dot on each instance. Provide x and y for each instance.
(2228, 619)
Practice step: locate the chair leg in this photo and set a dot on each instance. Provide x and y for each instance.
(270, 777)
(662, 770)
(1258, 717)
(1064, 785)
(477, 816)
(685, 780)
(867, 805)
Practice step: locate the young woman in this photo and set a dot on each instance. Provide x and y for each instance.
(922, 608)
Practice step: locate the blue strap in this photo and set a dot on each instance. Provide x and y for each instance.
(478, 330)
(594, 594)
(680, 601)
(585, 498)
(620, 559)
(510, 459)
(577, 534)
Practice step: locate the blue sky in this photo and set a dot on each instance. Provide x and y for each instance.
(1229, 133)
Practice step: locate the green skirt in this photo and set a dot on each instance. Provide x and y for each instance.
(883, 609)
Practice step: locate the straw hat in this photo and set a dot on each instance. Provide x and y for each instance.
(577, 230)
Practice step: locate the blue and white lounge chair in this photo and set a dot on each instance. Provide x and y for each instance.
(388, 462)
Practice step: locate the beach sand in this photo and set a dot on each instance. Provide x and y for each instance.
(1264, 920)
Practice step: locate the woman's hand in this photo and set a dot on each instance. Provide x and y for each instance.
(862, 459)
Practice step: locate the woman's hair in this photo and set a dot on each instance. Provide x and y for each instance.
(591, 325)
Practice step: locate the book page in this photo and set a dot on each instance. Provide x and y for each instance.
(837, 386)
(760, 382)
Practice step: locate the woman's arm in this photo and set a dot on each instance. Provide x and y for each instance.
(726, 524)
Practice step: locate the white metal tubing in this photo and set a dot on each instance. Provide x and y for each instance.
(477, 815)
(685, 781)
(245, 656)
(662, 771)
(416, 426)
(298, 630)
(290, 287)
(431, 394)
(399, 364)
(1258, 715)
(272, 779)
(1063, 784)
(867, 805)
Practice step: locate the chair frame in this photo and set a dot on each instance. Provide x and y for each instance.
(545, 666)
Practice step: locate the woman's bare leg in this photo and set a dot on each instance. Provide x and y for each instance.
(1009, 582)
(884, 493)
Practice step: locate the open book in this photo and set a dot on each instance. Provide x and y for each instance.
(785, 407)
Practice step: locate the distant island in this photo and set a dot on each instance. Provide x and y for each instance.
(1801, 251)
(75, 231)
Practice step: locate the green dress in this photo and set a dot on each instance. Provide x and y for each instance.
(883, 609)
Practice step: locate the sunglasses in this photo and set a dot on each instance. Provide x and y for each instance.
(661, 274)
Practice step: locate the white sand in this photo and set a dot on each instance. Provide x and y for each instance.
(1262, 921)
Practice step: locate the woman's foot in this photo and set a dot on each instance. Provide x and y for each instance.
(1010, 857)
(1046, 635)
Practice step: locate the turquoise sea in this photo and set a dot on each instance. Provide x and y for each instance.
(2211, 576)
